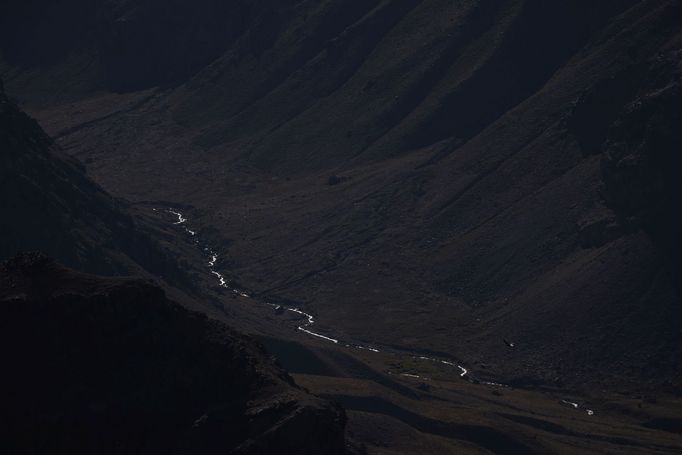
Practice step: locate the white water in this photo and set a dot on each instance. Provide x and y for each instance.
(590, 412)
(310, 322)
(181, 219)
(462, 370)
(364, 348)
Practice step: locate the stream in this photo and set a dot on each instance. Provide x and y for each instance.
(309, 320)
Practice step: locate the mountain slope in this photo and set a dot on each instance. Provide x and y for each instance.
(107, 365)
(434, 174)
(49, 204)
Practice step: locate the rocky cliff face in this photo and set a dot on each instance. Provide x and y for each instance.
(106, 365)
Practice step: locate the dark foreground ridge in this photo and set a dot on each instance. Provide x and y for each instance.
(109, 365)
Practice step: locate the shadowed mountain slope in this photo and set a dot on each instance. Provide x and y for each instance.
(109, 365)
(49, 204)
(433, 174)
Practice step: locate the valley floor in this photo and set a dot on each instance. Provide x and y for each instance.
(407, 402)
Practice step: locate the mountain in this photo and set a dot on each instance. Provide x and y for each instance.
(434, 175)
(110, 365)
(49, 204)
(458, 219)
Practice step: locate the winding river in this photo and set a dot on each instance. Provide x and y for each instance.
(309, 320)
